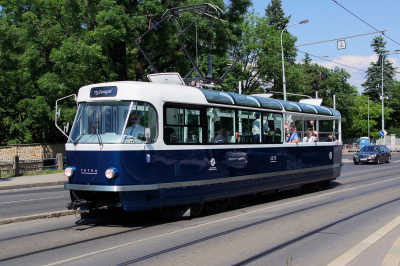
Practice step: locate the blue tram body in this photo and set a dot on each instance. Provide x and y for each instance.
(189, 166)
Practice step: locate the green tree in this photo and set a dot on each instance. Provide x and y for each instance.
(393, 125)
(260, 64)
(276, 16)
(357, 123)
(373, 84)
(49, 49)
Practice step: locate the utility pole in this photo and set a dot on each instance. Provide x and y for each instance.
(334, 102)
(368, 121)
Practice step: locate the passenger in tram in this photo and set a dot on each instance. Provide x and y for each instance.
(294, 137)
(312, 136)
(133, 128)
(331, 138)
(256, 128)
(222, 137)
(278, 131)
(169, 135)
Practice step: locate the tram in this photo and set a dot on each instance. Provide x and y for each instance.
(149, 145)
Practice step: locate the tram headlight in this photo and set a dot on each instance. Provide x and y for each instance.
(112, 173)
(69, 171)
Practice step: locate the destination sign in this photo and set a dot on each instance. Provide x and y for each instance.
(103, 92)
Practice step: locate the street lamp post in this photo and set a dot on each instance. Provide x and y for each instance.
(383, 113)
(283, 62)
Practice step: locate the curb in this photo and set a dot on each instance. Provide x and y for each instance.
(365, 244)
(37, 217)
(46, 184)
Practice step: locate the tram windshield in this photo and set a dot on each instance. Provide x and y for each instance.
(114, 123)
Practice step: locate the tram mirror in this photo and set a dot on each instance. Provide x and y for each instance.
(59, 113)
(147, 132)
(66, 128)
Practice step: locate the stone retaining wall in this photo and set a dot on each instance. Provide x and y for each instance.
(31, 151)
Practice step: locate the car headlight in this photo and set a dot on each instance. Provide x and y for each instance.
(112, 173)
(355, 156)
(372, 156)
(69, 171)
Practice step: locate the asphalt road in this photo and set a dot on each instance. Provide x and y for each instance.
(29, 201)
(317, 227)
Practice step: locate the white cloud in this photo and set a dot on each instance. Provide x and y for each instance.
(359, 62)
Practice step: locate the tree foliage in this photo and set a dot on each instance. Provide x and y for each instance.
(373, 84)
(49, 49)
(275, 15)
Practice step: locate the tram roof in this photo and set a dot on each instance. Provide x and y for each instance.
(151, 92)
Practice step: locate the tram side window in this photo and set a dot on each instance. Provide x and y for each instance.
(141, 115)
(221, 125)
(182, 125)
(294, 128)
(327, 127)
(272, 128)
(311, 125)
(249, 126)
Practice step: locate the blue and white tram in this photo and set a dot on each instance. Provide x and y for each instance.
(141, 145)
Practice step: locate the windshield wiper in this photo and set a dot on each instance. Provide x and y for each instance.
(94, 130)
(78, 139)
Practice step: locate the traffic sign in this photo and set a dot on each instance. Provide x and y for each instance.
(381, 133)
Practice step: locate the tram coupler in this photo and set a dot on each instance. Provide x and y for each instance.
(77, 204)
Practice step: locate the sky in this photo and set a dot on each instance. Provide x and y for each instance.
(328, 20)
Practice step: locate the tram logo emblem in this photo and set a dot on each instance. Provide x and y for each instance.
(330, 155)
(212, 162)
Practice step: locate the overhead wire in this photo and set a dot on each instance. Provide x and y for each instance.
(331, 61)
(364, 21)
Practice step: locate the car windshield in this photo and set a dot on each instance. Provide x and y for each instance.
(370, 148)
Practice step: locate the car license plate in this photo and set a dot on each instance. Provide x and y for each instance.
(363, 160)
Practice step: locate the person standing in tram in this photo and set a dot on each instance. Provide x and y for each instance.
(294, 137)
(133, 128)
(256, 128)
(312, 136)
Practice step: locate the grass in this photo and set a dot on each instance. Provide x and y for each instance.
(43, 172)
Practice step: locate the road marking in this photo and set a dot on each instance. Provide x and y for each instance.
(366, 243)
(216, 221)
(33, 199)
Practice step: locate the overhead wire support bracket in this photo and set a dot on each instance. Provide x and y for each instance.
(173, 15)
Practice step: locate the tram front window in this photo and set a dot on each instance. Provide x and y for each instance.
(105, 122)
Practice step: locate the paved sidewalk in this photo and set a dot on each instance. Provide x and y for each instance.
(32, 181)
(381, 248)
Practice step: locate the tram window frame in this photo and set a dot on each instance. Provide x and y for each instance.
(200, 136)
(211, 139)
(143, 118)
(335, 130)
(270, 136)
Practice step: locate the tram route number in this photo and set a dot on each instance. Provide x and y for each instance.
(272, 159)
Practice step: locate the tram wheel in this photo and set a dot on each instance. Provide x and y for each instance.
(318, 186)
(196, 209)
(233, 203)
(298, 190)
